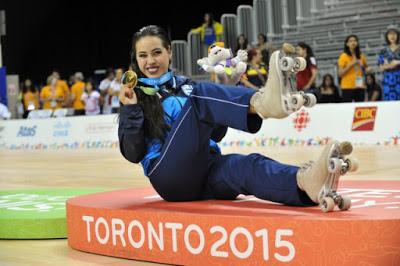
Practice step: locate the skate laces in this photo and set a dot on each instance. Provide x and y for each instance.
(306, 166)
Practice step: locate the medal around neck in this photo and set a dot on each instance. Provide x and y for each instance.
(130, 79)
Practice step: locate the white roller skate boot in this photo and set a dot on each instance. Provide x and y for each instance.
(279, 97)
(320, 179)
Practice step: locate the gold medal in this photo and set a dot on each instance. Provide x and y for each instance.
(129, 78)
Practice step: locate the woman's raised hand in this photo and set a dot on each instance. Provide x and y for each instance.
(127, 94)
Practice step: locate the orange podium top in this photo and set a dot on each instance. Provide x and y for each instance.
(138, 224)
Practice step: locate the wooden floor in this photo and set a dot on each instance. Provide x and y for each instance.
(108, 169)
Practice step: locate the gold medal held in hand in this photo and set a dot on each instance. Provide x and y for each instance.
(129, 78)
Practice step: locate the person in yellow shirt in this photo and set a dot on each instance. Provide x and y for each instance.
(352, 69)
(76, 93)
(64, 86)
(30, 97)
(256, 74)
(52, 95)
(210, 32)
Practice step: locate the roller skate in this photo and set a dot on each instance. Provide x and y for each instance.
(320, 179)
(279, 97)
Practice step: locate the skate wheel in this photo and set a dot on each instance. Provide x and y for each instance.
(345, 148)
(352, 163)
(334, 165)
(299, 64)
(345, 203)
(297, 101)
(327, 204)
(286, 63)
(310, 100)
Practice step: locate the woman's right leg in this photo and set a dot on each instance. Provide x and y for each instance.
(257, 175)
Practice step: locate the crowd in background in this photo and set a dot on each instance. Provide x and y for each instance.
(356, 80)
(85, 97)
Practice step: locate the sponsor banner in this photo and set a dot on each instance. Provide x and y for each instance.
(361, 123)
(89, 132)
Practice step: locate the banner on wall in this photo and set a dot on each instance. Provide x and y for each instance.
(80, 132)
(362, 123)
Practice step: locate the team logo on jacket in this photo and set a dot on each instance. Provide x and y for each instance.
(364, 118)
(187, 89)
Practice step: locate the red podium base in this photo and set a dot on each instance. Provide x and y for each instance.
(138, 224)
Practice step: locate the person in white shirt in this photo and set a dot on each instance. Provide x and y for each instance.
(114, 91)
(4, 113)
(105, 100)
(91, 98)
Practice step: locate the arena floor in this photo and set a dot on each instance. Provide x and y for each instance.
(107, 169)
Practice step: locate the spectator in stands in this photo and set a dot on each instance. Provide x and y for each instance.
(115, 87)
(306, 78)
(76, 93)
(328, 91)
(210, 32)
(352, 69)
(265, 48)
(4, 112)
(241, 43)
(52, 95)
(389, 63)
(256, 73)
(64, 86)
(30, 97)
(91, 99)
(105, 98)
(71, 80)
(374, 91)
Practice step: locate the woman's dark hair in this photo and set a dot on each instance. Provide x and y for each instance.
(154, 123)
(308, 50)
(346, 49)
(263, 37)
(389, 31)
(31, 88)
(241, 46)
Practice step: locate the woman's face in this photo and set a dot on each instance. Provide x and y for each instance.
(260, 39)
(258, 57)
(369, 80)
(392, 37)
(328, 81)
(152, 57)
(206, 18)
(301, 51)
(53, 82)
(89, 86)
(352, 43)
(241, 40)
(118, 74)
